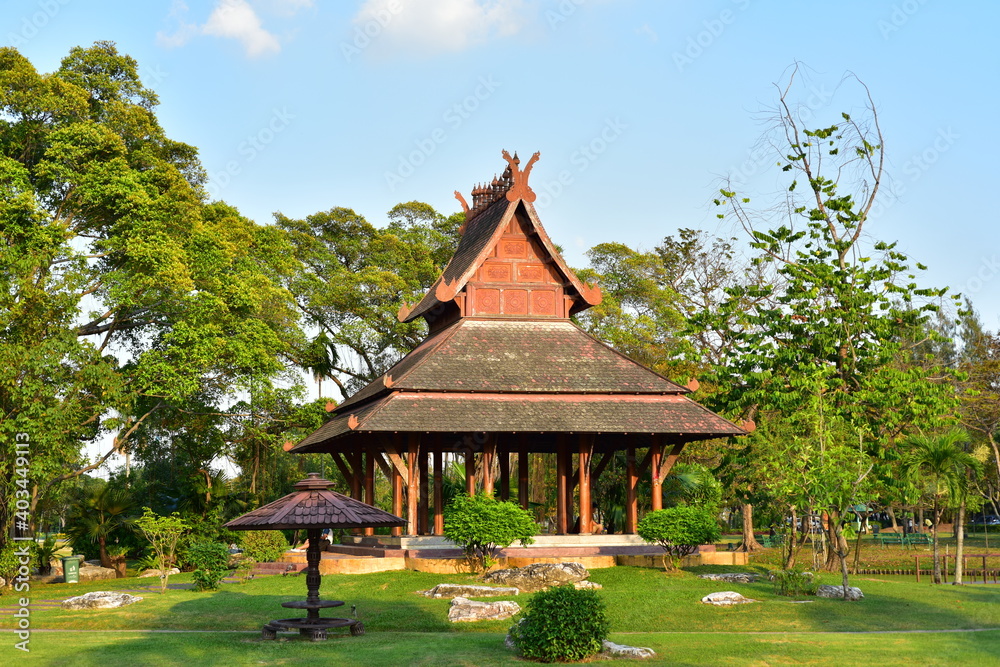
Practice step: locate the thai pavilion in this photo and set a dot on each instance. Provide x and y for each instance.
(503, 374)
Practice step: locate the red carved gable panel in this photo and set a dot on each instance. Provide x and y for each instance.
(530, 273)
(487, 301)
(515, 302)
(495, 272)
(543, 302)
(512, 248)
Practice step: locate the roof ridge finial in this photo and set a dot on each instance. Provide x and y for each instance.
(519, 188)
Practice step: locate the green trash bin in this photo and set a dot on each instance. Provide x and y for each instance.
(71, 569)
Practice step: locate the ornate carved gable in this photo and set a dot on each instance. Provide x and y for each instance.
(505, 265)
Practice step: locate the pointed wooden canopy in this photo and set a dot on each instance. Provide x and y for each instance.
(314, 505)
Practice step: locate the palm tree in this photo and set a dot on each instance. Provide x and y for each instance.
(940, 462)
(100, 513)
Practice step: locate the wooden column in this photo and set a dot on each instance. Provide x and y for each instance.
(489, 455)
(503, 455)
(355, 461)
(470, 472)
(413, 485)
(586, 451)
(655, 458)
(438, 490)
(397, 499)
(522, 474)
(370, 481)
(562, 486)
(631, 500)
(424, 501)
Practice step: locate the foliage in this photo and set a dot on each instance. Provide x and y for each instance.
(44, 552)
(794, 582)
(101, 515)
(9, 563)
(562, 624)
(163, 533)
(211, 562)
(679, 531)
(482, 525)
(263, 546)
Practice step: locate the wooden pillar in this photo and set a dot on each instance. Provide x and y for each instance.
(413, 485)
(586, 451)
(522, 474)
(631, 500)
(438, 490)
(503, 455)
(355, 481)
(470, 472)
(397, 499)
(562, 486)
(424, 501)
(656, 457)
(489, 455)
(370, 481)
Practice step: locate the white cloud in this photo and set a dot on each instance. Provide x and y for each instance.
(435, 26)
(232, 19)
(235, 19)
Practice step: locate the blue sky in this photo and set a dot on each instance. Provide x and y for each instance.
(638, 107)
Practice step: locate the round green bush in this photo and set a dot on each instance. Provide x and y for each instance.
(561, 624)
(211, 562)
(482, 525)
(679, 531)
(263, 546)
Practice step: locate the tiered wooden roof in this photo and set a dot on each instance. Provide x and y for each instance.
(503, 355)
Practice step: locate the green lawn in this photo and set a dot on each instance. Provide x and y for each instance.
(646, 607)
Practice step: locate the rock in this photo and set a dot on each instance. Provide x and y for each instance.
(96, 562)
(623, 651)
(726, 598)
(732, 577)
(469, 591)
(156, 573)
(3, 582)
(96, 573)
(853, 593)
(100, 600)
(55, 568)
(466, 610)
(586, 584)
(538, 576)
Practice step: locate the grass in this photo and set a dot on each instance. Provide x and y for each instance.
(646, 607)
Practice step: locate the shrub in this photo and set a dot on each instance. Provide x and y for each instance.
(482, 526)
(561, 624)
(163, 533)
(795, 582)
(44, 553)
(211, 560)
(679, 531)
(9, 563)
(263, 546)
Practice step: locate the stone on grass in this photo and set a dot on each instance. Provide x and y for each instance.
(100, 600)
(624, 651)
(732, 577)
(538, 576)
(726, 598)
(586, 584)
(157, 573)
(466, 610)
(469, 591)
(96, 573)
(853, 593)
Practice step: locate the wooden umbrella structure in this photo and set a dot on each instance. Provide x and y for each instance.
(314, 507)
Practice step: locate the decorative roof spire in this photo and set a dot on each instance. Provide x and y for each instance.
(513, 183)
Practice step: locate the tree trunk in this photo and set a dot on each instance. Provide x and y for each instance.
(834, 537)
(960, 543)
(105, 558)
(857, 543)
(892, 517)
(750, 543)
(841, 550)
(792, 551)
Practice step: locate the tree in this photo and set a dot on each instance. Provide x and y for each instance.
(100, 514)
(833, 322)
(163, 533)
(482, 526)
(940, 464)
(125, 295)
(678, 531)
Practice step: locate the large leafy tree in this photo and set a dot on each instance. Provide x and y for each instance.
(835, 321)
(125, 295)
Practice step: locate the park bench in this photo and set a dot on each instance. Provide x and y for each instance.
(918, 538)
(768, 541)
(890, 538)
